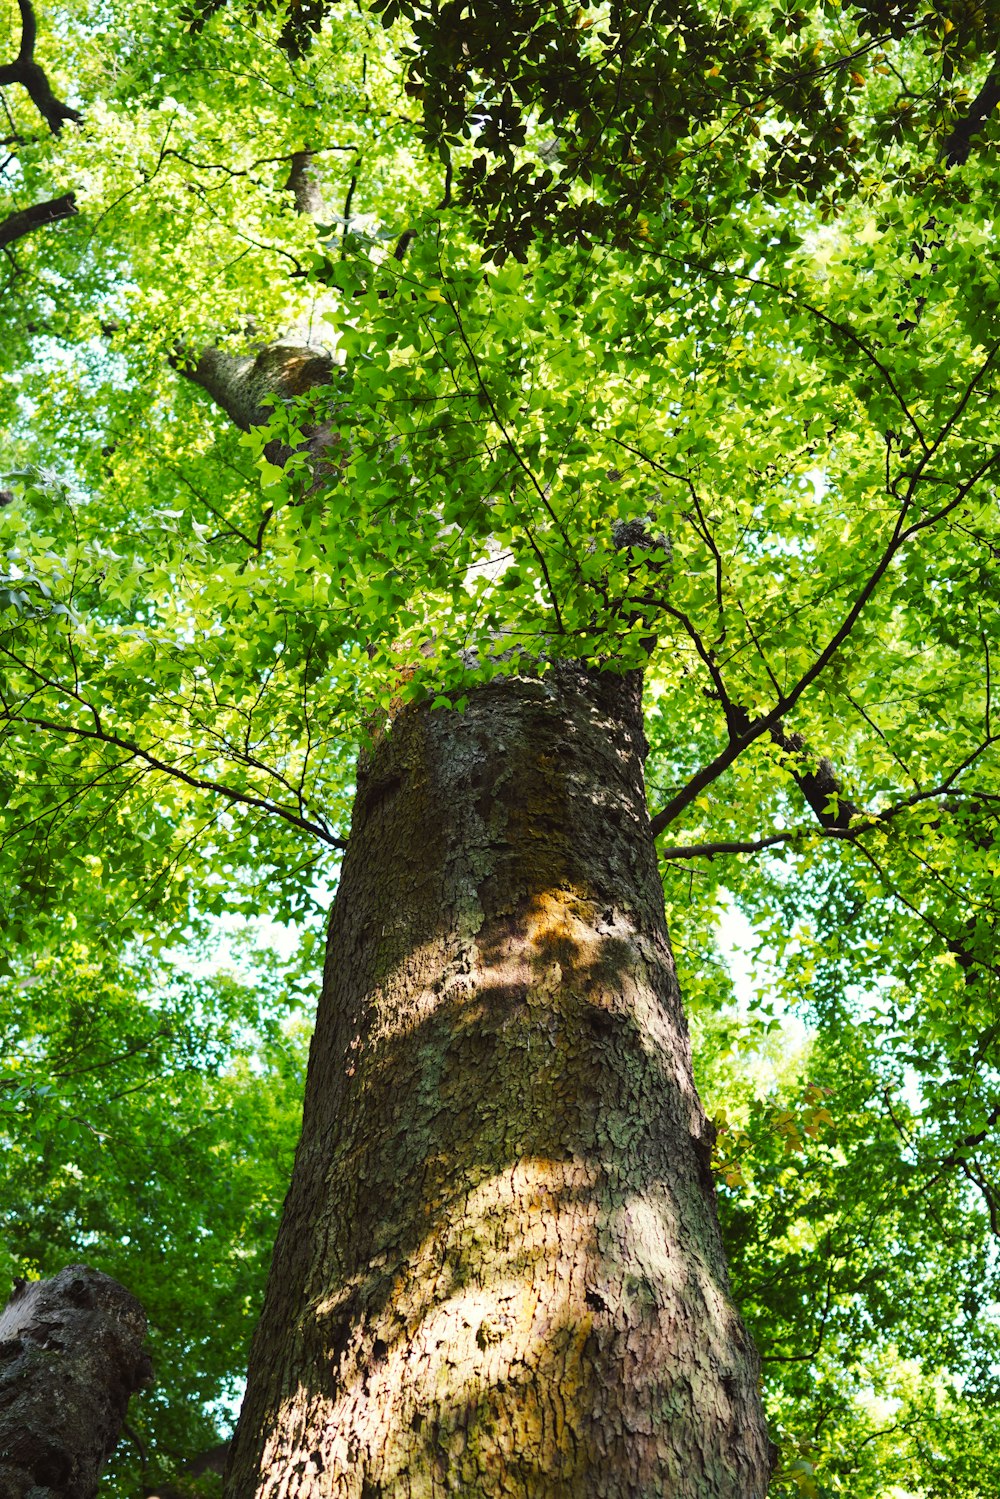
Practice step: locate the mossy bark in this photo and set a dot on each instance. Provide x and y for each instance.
(499, 1270)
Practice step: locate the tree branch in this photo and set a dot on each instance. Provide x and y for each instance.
(199, 783)
(958, 144)
(969, 1142)
(901, 535)
(32, 77)
(305, 185)
(861, 822)
(821, 786)
(16, 225)
(751, 846)
(240, 384)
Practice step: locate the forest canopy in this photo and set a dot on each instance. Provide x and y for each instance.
(361, 355)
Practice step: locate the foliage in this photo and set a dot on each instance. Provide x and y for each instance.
(680, 111)
(148, 1116)
(678, 348)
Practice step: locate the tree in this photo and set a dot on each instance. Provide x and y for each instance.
(677, 361)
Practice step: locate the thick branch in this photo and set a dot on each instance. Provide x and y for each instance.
(959, 143)
(820, 786)
(17, 225)
(814, 775)
(305, 185)
(27, 72)
(246, 386)
(70, 1357)
(241, 384)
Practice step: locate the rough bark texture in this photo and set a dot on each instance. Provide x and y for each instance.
(240, 383)
(499, 1270)
(70, 1357)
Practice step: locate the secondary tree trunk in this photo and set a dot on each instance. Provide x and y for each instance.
(70, 1357)
(499, 1270)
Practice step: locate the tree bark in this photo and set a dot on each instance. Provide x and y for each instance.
(499, 1271)
(70, 1357)
(241, 383)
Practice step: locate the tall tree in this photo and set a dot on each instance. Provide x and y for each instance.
(677, 362)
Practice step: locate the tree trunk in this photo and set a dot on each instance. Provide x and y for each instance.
(70, 1357)
(499, 1270)
(241, 384)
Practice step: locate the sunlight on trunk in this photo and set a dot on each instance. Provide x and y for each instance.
(499, 1271)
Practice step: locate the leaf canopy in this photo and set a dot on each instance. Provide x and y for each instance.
(658, 337)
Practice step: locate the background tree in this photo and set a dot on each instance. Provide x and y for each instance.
(759, 328)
